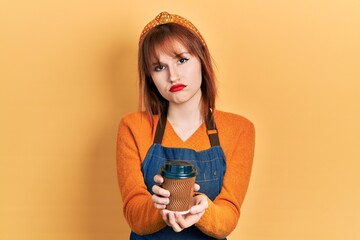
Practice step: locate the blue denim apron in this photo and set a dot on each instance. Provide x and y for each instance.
(209, 163)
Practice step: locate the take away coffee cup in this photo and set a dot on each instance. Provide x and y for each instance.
(179, 179)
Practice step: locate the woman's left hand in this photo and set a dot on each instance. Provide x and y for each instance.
(179, 222)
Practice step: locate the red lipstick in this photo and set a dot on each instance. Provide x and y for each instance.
(177, 87)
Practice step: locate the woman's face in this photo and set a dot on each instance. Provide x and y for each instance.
(177, 76)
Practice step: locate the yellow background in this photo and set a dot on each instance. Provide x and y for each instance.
(68, 74)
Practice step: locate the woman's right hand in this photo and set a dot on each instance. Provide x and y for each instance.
(161, 195)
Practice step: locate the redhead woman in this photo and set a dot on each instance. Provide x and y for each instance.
(177, 120)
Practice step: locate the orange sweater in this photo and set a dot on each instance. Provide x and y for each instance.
(135, 137)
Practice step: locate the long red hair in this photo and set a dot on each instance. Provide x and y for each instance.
(163, 37)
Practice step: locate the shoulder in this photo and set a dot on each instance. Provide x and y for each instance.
(137, 126)
(138, 121)
(134, 118)
(233, 129)
(231, 120)
(235, 133)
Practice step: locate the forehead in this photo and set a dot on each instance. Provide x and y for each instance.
(170, 48)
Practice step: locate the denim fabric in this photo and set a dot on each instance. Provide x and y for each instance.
(211, 168)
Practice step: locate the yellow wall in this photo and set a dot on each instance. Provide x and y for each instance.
(68, 73)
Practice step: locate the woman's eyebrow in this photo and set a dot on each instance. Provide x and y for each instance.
(157, 62)
(154, 63)
(179, 54)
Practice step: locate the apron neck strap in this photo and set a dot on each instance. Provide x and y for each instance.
(160, 128)
(211, 129)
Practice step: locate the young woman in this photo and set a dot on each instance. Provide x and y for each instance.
(180, 122)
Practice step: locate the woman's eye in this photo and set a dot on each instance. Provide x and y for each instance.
(183, 60)
(159, 68)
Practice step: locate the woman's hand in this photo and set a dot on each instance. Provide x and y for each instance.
(179, 222)
(161, 195)
(175, 220)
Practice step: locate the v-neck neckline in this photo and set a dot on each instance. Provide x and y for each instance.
(208, 128)
(193, 138)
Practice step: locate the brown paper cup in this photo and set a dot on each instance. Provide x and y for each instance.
(179, 178)
(181, 193)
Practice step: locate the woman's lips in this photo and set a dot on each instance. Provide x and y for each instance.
(177, 87)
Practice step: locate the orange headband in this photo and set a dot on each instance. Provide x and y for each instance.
(164, 18)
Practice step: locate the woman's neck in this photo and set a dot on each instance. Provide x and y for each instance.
(181, 115)
(185, 118)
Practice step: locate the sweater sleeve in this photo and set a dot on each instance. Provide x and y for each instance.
(222, 215)
(139, 211)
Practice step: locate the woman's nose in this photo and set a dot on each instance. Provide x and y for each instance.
(173, 74)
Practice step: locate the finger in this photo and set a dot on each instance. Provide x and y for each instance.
(159, 200)
(182, 222)
(164, 214)
(158, 179)
(200, 206)
(172, 220)
(197, 209)
(160, 191)
(196, 187)
(159, 206)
